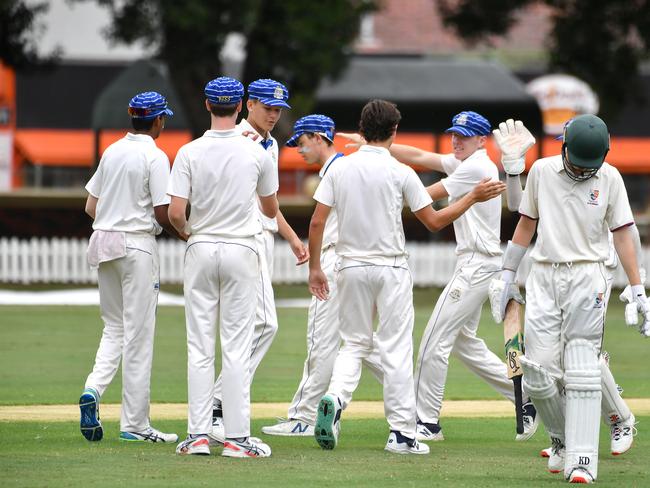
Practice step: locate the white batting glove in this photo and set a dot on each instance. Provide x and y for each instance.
(626, 296)
(514, 141)
(500, 292)
(639, 305)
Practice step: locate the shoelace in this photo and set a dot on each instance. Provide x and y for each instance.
(557, 446)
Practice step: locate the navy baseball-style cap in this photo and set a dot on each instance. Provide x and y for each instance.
(312, 124)
(148, 105)
(269, 92)
(224, 91)
(470, 124)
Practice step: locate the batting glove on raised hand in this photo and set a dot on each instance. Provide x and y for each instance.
(500, 292)
(639, 305)
(514, 141)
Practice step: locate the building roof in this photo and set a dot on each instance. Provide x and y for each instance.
(428, 91)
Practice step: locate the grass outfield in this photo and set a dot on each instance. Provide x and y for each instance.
(477, 453)
(46, 353)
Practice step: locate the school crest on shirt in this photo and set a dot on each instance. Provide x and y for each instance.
(593, 197)
(455, 294)
(598, 303)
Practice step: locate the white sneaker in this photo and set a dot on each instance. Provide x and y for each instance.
(218, 434)
(148, 435)
(290, 428)
(622, 433)
(531, 422)
(400, 444)
(194, 444)
(426, 432)
(580, 475)
(328, 422)
(546, 453)
(556, 459)
(251, 447)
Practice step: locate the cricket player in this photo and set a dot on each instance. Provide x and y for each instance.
(314, 137)
(453, 325)
(266, 100)
(225, 178)
(615, 412)
(128, 202)
(368, 190)
(571, 200)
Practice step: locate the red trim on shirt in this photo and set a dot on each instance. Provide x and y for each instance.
(531, 218)
(622, 226)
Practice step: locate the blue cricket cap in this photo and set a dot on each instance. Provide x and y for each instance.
(470, 124)
(269, 92)
(312, 124)
(148, 105)
(224, 91)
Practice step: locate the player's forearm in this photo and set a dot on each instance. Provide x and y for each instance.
(316, 230)
(624, 244)
(161, 213)
(284, 229)
(514, 192)
(413, 155)
(524, 231)
(91, 206)
(444, 217)
(176, 214)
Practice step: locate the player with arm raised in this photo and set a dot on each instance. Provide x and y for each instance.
(128, 203)
(571, 200)
(368, 190)
(615, 412)
(452, 328)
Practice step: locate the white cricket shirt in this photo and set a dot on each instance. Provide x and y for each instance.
(273, 151)
(221, 174)
(368, 190)
(130, 181)
(331, 232)
(478, 229)
(574, 217)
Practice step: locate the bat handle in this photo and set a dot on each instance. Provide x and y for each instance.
(519, 404)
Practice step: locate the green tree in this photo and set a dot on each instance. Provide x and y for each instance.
(600, 41)
(18, 33)
(295, 42)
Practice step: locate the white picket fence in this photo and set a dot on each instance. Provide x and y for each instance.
(63, 260)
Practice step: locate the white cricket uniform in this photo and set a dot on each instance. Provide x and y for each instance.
(266, 319)
(130, 181)
(373, 272)
(323, 337)
(567, 287)
(454, 322)
(221, 174)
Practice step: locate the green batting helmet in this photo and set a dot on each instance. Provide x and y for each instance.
(586, 143)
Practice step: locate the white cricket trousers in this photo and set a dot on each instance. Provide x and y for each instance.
(323, 341)
(563, 302)
(361, 287)
(266, 319)
(128, 295)
(452, 330)
(220, 282)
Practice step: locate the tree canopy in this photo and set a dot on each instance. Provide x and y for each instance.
(296, 43)
(602, 42)
(18, 33)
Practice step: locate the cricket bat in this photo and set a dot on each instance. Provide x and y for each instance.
(514, 345)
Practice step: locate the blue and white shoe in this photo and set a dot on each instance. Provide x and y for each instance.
(290, 428)
(148, 435)
(328, 422)
(531, 422)
(90, 425)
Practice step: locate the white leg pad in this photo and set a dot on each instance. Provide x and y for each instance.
(582, 379)
(614, 408)
(545, 395)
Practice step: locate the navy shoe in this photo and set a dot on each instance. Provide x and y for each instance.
(90, 425)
